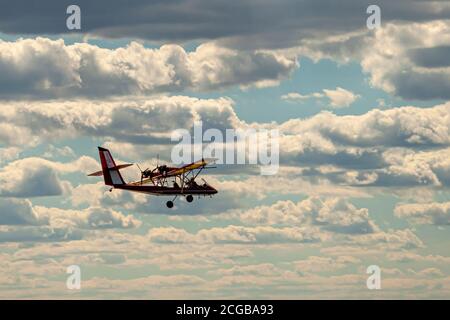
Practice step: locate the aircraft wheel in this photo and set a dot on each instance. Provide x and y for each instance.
(189, 198)
(169, 204)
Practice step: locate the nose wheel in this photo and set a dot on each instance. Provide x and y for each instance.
(189, 198)
(169, 204)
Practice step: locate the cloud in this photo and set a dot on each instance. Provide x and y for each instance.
(44, 68)
(36, 177)
(236, 234)
(316, 264)
(338, 98)
(294, 96)
(415, 35)
(404, 146)
(262, 270)
(31, 182)
(20, 221)
(8, 154)
(431, 273)
(331, 214)
(55, 152)
(137, 120)
(152, 121)
(357, 142)
(38, 234)
(90, 218)
(397, 127)
(227, 269)
(407, 60)
(403, 58)
(394, 239)
(242, 24)
(425, 213)
(434, 57)
(414, 69)
(340, 216)
(19, 212)
(153, 281)
(406, 257)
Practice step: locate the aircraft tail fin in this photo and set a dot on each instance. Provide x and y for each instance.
(111, 172)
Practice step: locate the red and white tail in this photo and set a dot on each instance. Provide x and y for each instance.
(110, 171)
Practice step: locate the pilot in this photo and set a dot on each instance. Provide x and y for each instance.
(163, 170)
(192, 183)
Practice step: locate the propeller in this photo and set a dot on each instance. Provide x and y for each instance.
(144, 173)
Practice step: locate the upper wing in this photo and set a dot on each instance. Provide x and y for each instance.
(184, 169)
(177, 171)
(192, 166)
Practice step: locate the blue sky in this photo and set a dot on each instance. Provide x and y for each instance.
(363, 117)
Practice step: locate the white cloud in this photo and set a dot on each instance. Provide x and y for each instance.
(406, 257)
(34, 177)
(8, 154)
(400, 55)
(55, 152)
(137, 120)
(403, 126)
(406, 59)
(21, 221)
(38, 234)
(316, 264)
(430, 273)
(337, 98)
(340, 98)
(295, 96)
(332, 214)
(261, 270)
(49, 68)
(90, 218)
(379, 148)
(31, 182)
(425, 213)
(19, 212)
(393, 239)
(237, 234)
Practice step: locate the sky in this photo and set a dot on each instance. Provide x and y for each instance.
(364, 122)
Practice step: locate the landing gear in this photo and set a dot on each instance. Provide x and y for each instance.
(189, 198)
(169, 204)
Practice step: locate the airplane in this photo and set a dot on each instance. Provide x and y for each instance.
(157, 181)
